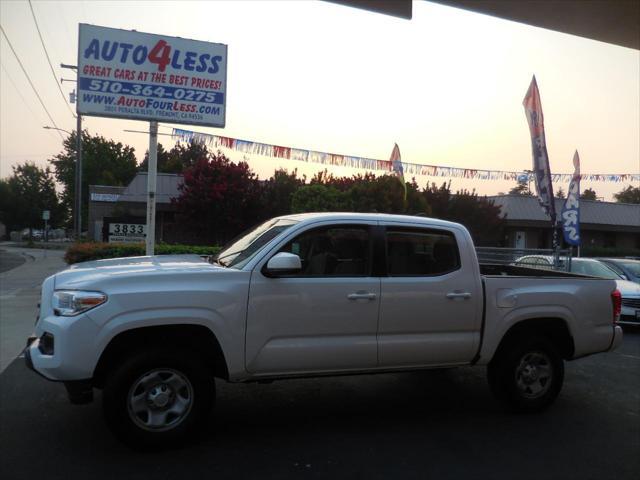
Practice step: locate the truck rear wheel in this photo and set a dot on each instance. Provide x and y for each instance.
(527, 374)
(158, 398)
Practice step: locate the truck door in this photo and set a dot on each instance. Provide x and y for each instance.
(324, 317)
(431, 306)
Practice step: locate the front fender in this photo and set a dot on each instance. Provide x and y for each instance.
(156, 317)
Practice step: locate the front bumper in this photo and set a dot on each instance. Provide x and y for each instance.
(70, 353)
(629, 316)
(630, 312)
(27, 355)
(80, 392)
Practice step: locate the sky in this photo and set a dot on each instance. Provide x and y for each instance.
(447, 85)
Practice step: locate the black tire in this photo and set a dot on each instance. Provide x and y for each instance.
(177, 377)
(526, 374)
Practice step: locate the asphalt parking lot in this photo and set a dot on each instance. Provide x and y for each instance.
(438, 424)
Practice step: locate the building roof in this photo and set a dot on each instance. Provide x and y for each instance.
(526, 208)
(166, 188)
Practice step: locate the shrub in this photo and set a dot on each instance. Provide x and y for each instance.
(83, 252)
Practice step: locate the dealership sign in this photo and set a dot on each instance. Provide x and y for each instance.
(141, 76)
(126, 232)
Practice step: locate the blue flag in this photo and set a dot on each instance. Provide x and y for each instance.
(570, 216)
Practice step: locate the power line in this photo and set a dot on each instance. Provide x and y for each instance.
(24, 101)
(29, 79)
(55, 79)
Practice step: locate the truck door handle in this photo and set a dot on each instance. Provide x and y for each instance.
(361, 296)
(463, 295)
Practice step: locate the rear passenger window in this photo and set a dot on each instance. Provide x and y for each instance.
(421, 252)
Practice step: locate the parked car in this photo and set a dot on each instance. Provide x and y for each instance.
(629, 268)
(35, 234)
(629, 290)
(310, 295)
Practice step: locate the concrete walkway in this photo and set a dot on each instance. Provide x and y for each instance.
(20, 294)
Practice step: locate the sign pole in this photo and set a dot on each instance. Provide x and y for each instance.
(78, 222)
(46, 214)
(152, 171)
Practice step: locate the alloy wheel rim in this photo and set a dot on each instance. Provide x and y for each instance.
(160, 399)
(534, 374)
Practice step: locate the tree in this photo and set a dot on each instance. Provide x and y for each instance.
(588, 194)
(319, 198)
(218, 198)
(630, 194)
(384, 194)
(179, 158)
(368, 193)
(25, 195)
(416, 201)
(478, 214)
(7, 202)
(104, 162)
(438, 198)
(277, 193)
(520, 189)
(560, 193)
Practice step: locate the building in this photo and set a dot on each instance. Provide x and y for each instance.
(111, 208)
(602, 224)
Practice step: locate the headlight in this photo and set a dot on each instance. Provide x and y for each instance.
(72, 302)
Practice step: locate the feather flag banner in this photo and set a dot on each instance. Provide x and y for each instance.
(541, 170)
(248, 147)
(396, 166)
(570, 216)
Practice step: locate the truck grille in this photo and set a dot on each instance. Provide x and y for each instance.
(631, 302)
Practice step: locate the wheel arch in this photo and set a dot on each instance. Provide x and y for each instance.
(196, 338)
(554, 329)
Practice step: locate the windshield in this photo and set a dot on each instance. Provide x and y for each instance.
(595, 269)
(238, 253)
(633, 267)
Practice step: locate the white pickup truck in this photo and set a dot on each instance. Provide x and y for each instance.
(310, 295)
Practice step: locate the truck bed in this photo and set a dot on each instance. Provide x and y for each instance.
(494, 269)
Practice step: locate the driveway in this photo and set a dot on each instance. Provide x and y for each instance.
(9, 261)
(23, 270)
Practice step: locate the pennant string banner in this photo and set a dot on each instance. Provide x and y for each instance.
(411, 169)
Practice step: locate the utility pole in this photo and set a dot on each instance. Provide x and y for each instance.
(77, 217)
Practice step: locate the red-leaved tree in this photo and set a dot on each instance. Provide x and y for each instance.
(218, 198)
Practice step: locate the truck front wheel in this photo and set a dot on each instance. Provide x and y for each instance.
(527, 374)
(158, 398)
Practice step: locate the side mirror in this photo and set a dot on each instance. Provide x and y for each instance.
(283, 263)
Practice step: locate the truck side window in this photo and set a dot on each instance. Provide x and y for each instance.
(342, 251)
(421, 252)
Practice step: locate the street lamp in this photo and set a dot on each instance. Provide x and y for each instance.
(77, 219)
(47, 127)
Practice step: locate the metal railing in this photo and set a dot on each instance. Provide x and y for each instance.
(526, 257)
